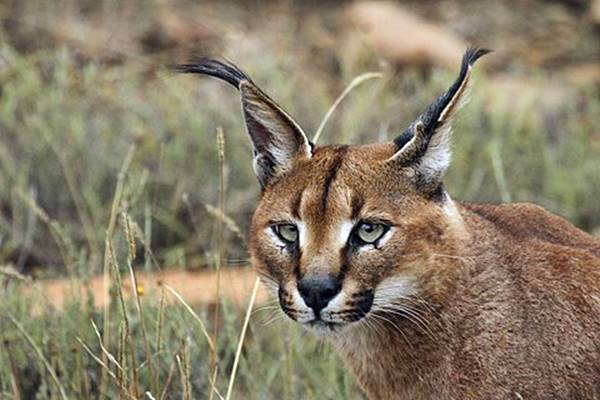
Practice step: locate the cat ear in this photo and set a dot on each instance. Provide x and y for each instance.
(425, 144)
(276, 138)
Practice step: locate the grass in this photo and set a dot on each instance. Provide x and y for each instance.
(109, 169)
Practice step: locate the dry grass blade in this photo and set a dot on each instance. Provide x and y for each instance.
(136, 295)
(40, 355)
(184, 373)
(169, 379)
(143, 239)
(196, 317)
(96, 358)
(110, 230)
(238, 352)
(160, 321)
(56, 231)
(220, 248)
(110, 357)
(355, 83)
(125, 338)
(227, 221)
(213, 352)
(15, 379)
(105, 368)
(11, 272)
(214, 386)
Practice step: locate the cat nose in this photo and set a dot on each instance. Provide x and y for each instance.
(317, 291)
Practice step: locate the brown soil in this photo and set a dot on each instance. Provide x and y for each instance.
(196, 288)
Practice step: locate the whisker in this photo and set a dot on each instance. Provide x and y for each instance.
(393, 325)
(265, 308)
(413, 316)
(276, 317)
(372, 325)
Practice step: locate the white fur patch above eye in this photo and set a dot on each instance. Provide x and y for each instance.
(302, 233)
(344, 232)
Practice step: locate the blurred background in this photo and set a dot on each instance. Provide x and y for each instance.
(110, 163)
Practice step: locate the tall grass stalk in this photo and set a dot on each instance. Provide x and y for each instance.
(109, 373)
(184, 370)
(40, 355)
(61, 239)
(357, 81)
(191, 311)
(136, 295)
(14, 373)
(220, 249)
(240, 345)
(110, 230)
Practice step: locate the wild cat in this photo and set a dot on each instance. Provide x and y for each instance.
(425, 297)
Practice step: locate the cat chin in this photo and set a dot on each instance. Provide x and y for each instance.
(322, 328)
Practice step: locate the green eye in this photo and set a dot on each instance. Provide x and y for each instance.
(370, 233)
(287, 232)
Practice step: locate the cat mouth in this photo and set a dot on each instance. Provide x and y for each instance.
(330, 318)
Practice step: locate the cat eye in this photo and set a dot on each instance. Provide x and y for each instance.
(370, 233)
(286, 232)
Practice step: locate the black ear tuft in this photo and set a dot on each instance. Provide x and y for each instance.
(425, 144)
(473, 54)
(404, 137)
(432, 117)
(437, 113)
(216, 68)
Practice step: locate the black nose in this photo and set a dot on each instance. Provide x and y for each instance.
(318, 290)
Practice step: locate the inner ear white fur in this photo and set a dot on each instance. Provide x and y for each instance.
(436, 160)
(276, 138)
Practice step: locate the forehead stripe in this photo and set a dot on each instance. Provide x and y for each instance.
(331, 174)
(356, 205)
(296, 202)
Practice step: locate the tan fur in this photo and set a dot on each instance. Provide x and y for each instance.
(510, 293)
(452, 300)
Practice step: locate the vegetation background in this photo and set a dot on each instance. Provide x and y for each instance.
(117, 174)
